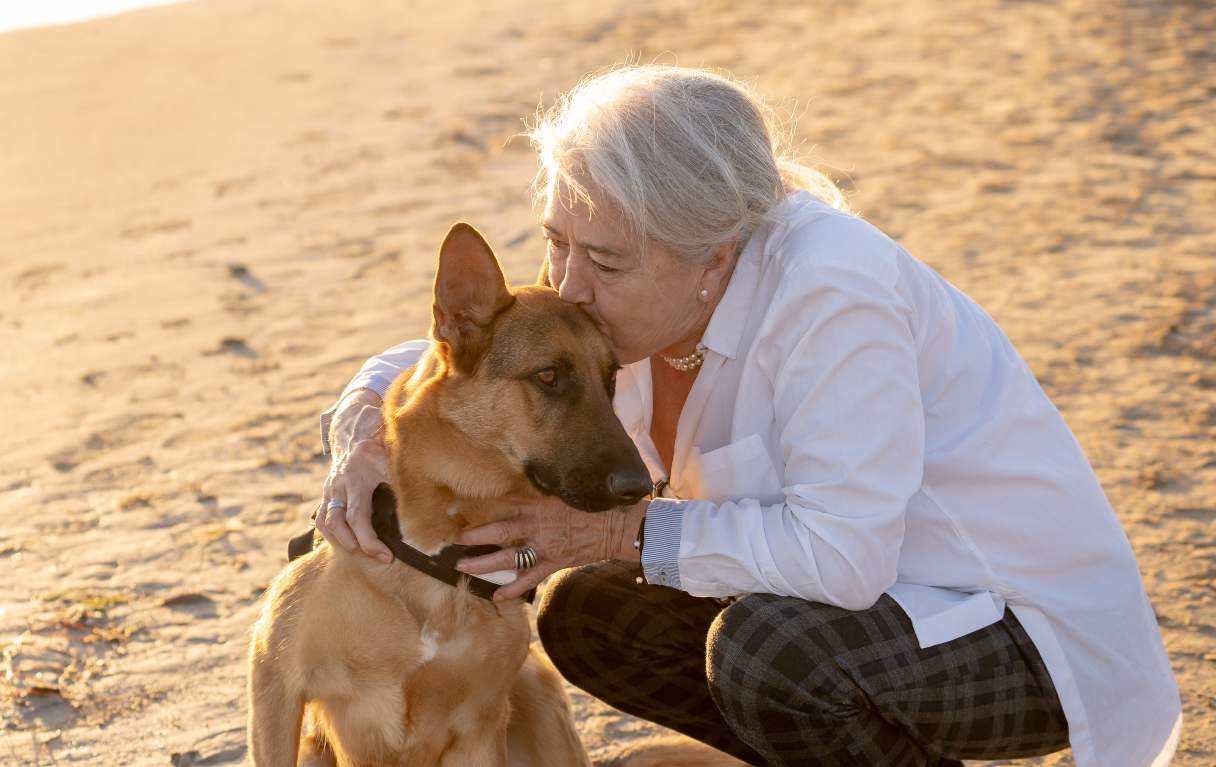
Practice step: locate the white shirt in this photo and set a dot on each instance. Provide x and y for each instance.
(860, 427)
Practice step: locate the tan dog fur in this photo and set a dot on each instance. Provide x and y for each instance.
(389, 666)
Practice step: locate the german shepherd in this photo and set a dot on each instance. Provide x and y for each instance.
(394, 667)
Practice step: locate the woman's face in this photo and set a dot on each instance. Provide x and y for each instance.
(643, 306)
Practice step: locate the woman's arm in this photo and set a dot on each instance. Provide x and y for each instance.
(351, 432)
(376, 375)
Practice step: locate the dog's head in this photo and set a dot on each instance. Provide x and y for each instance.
(530, 380)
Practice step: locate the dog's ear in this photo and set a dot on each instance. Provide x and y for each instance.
(470, 291)
(543, 277)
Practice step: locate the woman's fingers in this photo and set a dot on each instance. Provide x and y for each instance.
(365, 468)
(359, 520)
(495, 533)
(331, 519)
(503, 559)
(527, 580)
(352, 479)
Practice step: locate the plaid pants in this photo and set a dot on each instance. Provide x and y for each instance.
(783, 681)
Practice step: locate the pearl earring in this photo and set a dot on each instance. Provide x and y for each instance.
(704, 292)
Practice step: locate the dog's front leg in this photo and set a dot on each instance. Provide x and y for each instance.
(275, 716)
(541, 730)
(478, 749)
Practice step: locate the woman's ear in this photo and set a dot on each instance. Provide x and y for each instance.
(718, 270)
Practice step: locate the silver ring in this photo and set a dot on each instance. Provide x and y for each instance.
(525, 558)
(334, 505)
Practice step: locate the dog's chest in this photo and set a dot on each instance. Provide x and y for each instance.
(454, 677)
(464, 657)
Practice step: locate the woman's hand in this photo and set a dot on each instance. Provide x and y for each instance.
(560, 535)
(360, 463)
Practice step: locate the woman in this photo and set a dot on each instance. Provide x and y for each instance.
(874, 540)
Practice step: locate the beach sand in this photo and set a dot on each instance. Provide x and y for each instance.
(211, 213)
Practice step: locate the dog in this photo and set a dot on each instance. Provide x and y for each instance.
(408, 663)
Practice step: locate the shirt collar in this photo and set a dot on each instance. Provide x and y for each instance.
(726, 324)
(729, 319)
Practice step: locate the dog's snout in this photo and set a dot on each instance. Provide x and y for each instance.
(629, 485)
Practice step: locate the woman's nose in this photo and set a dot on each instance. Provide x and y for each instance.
(574, 287)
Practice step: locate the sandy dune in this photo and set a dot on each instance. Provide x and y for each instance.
(211, 213)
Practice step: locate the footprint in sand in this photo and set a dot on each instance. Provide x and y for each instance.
(197, 605)
(110, 435)
(228, 186)
(162, 227)
(236, 346)
(386, 263)
(37, 278)
(241, 274)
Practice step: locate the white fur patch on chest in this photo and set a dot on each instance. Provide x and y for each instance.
(428, 646)
(433, 646)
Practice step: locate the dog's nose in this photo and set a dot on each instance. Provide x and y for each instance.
(630, 484)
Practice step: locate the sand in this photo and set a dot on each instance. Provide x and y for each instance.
(211, 213)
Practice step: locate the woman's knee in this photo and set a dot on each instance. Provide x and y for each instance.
(554, 598)
(763, 645)
(573, 599)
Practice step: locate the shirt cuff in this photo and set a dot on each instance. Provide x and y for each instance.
(377, 382)
(661, 552)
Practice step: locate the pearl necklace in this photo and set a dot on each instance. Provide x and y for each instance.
(688, 361)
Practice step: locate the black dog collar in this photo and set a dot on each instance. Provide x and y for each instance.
(441, 567)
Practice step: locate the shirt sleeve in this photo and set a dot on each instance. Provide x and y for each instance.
(839, 351)
(377, 374)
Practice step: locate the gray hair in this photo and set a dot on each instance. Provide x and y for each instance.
(691, 158)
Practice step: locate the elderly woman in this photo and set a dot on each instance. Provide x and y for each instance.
(873, 540)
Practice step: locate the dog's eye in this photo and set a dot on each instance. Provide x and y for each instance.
(548, 376)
